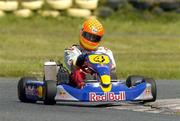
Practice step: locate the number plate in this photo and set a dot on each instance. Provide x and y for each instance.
(99, 59)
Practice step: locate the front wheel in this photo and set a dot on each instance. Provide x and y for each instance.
(133, 80)
(153, 89)
(50, 90)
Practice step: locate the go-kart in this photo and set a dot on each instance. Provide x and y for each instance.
(102, 88)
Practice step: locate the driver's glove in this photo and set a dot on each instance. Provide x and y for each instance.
(80, 60)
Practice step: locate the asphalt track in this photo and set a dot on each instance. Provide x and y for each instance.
(11, 109)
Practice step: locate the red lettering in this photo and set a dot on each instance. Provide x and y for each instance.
(92, 96)
(109, 96)
(117, 97)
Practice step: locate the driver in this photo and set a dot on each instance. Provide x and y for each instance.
(91, 35)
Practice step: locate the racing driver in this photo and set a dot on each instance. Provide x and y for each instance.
(91, 35)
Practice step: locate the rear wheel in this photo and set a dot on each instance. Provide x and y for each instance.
(153, 89)
(50, 90)
(134, 80)
(21, 89)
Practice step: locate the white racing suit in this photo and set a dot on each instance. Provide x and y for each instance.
(70, 57)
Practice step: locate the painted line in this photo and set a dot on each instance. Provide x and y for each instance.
(164, 106)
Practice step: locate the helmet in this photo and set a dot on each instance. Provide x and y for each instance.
(91, 34)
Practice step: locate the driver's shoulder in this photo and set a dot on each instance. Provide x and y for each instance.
(103, 49)
(73, 47)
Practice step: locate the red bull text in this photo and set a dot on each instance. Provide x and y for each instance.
(109, 96)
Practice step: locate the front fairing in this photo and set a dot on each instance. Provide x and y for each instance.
(92, 92)
(101, 64)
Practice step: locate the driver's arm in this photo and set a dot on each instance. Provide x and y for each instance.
(70, 57)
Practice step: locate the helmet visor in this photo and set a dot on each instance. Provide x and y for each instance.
(91, 37)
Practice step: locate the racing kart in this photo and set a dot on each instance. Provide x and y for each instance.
(103, 87)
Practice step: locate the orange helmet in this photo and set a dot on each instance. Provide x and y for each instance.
(91, 34)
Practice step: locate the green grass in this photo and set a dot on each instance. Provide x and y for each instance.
(142, 46)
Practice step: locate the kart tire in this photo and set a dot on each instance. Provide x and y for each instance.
(9, 5)
(50, 90)
(24, 13)
(140, 5)
(169, 6)
(87, 4)
(104, 12)
(114, 4)
(76, 12)
(21, 89)
(157, 10)
(153, 89)
(50, 13)
(32, 5)
(60, 4)
(2, 13)
(134, 80)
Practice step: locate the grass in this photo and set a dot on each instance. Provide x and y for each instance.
(149, 47)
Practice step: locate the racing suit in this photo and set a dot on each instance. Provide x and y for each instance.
(71, 54)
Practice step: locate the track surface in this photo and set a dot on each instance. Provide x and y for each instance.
(13, 110)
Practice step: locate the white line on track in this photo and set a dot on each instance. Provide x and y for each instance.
(165, 106)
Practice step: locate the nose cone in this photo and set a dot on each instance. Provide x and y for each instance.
(105, 80)
(106, 83)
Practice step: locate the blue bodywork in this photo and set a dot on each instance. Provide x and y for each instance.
(83, 94)
(101, 67)
(130, 94)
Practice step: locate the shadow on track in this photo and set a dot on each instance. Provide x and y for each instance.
(88, 104)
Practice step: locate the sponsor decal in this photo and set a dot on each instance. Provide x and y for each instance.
(31, 90)
(99, 59)
(148, 91)
(34, 91)
(108, 96)
(40, 91)
(62, 93)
